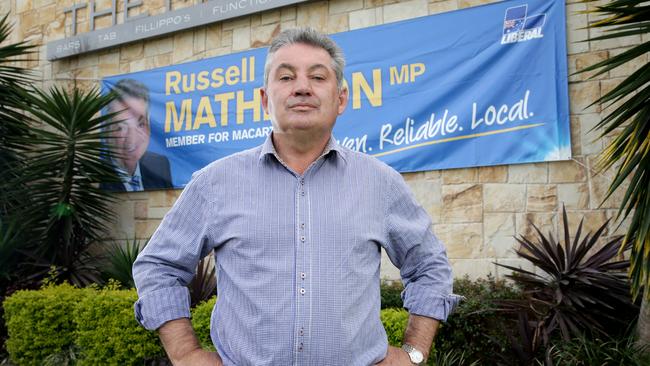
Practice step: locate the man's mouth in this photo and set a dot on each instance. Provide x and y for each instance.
(302, 106)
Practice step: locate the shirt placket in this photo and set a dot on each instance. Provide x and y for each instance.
(303, 290)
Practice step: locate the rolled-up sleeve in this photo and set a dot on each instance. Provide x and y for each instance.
(168, 262)
(417, 252)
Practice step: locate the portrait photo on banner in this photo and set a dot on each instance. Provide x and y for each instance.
(129, 137)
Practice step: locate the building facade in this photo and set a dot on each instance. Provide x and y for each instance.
(476, 212)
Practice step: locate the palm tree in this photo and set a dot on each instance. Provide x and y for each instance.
(62, 171)
(13, 82)
(629, 151)
(52, 149)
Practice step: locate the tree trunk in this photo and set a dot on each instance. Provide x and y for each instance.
(643, 325)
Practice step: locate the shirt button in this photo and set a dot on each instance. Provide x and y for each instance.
(302, 291)
(302, 226)
(302, 181)
(303, 275)
(302, 193)
(302, 332)
(302, 238)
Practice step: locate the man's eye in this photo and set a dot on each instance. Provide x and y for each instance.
(285, 77)
(318, 77)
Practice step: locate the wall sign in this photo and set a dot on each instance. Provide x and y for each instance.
(425, 93)
(142, 27)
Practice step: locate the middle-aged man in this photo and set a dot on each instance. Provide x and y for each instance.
(297, 226)
(138, 168)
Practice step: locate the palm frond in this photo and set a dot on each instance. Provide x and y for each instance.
(63, 167)
(630, 149)
(119, 263)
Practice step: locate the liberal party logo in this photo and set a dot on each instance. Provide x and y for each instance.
(520, 27)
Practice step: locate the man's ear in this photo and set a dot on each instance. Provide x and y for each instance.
(265, 100)
(344, 96)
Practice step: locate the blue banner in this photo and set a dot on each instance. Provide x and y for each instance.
(474, 87)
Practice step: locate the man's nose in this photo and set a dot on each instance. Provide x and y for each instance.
(302, 86)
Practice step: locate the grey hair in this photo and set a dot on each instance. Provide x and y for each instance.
(308, 36)
(130, 88)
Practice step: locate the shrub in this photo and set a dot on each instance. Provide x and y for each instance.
(477, 327)
(583, 351)
(394, 321)
(67, 325)
(201, 322)
(40, 323)
(119, 262)
(391, 294)
(107, 332)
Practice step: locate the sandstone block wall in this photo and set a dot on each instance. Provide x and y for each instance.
(476, 211)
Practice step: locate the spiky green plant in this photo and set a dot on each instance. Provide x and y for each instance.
(14, 80)
(62, 170)
(120, 260)
(583, 351)
(629, 151)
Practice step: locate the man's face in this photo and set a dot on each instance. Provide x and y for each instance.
(302, 93)
(131, 135)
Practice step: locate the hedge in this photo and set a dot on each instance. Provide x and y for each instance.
(66, 324)
(95, 326)
(201, 322)
(40, 323)
(107, 332)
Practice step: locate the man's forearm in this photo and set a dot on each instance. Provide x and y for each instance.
(182, 345)
(420, 332)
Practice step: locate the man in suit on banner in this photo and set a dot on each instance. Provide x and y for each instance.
(139, 169)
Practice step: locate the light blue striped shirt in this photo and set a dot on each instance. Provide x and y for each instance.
(297, 257)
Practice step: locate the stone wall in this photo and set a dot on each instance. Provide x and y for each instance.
(476, 212)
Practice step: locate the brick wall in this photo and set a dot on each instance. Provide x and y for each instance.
(476, 211)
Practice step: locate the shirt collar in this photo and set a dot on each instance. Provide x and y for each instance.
(125, 177)
(269, 149)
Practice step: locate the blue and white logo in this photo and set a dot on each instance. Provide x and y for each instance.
(518, 26)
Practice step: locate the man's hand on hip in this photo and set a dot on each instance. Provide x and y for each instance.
(395, 357)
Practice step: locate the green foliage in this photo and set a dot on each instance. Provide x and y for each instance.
(452, 358)
(391, 294)
(394, 321)
(63, 324)
(107, 332)
(61, 174)
(477, 326)
(629, 105)
(14, 80)
(40, 323)
(201, 315)
(120, 260)
(584, 351)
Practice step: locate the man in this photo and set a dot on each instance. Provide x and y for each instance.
(139, 169)
(296, 225)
